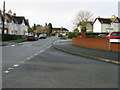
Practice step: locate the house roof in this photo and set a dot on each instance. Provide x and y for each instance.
(8, 17)
(16, 19)
(107, 20)
(27, 22)
(104, 20)
(60, 29)
(19, 19)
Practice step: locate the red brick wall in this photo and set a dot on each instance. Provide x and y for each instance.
(115, 46)
(96, 43)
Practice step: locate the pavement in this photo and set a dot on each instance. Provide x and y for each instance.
(102, 55)
(5, 43)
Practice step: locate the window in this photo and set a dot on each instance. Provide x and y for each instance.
(115, 34)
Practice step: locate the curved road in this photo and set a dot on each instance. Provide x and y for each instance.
(38, 65)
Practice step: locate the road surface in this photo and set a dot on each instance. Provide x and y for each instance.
(38, 65)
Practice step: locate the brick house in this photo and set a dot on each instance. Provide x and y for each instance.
(59, 31)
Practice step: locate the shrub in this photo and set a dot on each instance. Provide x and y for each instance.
(8, 37)
(73, 34)
(64, 37)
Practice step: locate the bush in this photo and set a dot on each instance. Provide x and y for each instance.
(73, 34)
(64, 37)
(8, 37)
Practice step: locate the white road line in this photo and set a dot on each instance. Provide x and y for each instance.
(12, 45)
(6, 71)
(35, 54)
(49, 46)
(31, 56)
(16, 65)
(28, 58)
(55, 42)
(10, 68)
(22, 62)
(41, 50)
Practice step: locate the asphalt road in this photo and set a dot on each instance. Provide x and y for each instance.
(51, 68)
(13, 54)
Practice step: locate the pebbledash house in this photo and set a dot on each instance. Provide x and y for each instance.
(106, 24)
(14, 25)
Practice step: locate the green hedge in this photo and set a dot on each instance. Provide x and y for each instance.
(8, 37)
(73, 34)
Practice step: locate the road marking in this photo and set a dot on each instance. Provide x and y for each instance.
(55, 42)
(35, 54)
(28, 58)
(31, 56)
(22, 62)
(6, 71)
(10, 68)
(16, 65)
(41, 50)
(12, 45)
(49, 46)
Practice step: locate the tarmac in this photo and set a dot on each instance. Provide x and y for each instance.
(68, 47)
(102, 55)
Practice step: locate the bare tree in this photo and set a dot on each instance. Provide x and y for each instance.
(82, 18)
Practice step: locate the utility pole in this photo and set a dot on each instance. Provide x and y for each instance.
(3, 18)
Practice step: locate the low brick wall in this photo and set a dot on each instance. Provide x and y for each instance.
(96, 43)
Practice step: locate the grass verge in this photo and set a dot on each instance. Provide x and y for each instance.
(18, 41)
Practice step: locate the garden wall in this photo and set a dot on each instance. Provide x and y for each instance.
(96, 43)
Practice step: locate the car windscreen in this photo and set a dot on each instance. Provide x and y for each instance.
(115, 34)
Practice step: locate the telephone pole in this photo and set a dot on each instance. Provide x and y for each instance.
(3, 18)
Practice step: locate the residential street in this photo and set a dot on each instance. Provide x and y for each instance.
(36, 64)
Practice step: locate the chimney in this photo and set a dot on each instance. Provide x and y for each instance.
(98, 17)
(113, 16)
(14, 14)
(10, 12)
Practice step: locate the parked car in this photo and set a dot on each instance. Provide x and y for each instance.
(32, 37)
(42, 36)
(114, 35)
(103, 35)
(60, 35)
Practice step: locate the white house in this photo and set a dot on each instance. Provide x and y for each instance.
(89, 27)
(17, 25)
(106, 24)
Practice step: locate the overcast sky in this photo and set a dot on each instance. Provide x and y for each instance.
(59, 12)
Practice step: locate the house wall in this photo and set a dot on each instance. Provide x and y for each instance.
(104, 27)
(97, 26)
(96, 43)
(116, 26)
(17, 29)
(89, 28)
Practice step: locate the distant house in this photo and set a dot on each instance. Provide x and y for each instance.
(60, 30)
(17, 25)
(106, 24)
(89, 27)
(76, 30)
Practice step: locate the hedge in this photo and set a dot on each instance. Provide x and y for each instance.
(8, 37)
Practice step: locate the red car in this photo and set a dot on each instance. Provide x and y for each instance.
(32, 37)
(114, 35)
